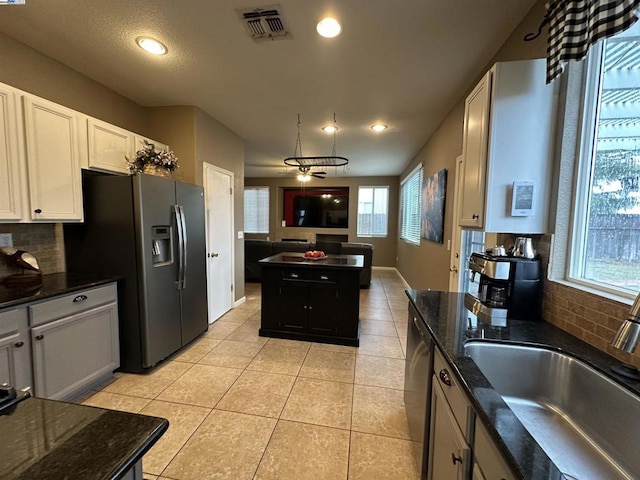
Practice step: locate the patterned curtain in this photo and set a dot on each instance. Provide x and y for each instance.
(575, 25)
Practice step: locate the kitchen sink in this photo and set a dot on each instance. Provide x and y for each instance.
(588, 425)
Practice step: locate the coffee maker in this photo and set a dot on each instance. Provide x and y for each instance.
(509, 288)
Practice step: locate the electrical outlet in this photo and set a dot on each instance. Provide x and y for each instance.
(6, 240)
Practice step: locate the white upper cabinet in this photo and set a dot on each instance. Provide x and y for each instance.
(139, 144)
(509, 127)
(108, 146)
(11, 158)
(55, 136)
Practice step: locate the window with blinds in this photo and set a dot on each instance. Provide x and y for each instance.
(410, 206)
(256, 209)
(373, 205)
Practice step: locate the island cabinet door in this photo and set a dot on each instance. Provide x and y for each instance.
(323, 312)
(294, 304)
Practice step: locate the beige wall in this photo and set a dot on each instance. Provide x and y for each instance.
(217, 145)
(384, 249)
(26, 69)
(427, 266)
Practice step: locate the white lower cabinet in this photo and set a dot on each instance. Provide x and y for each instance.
(74, 342)
(15, 361)
(450, 454)
(477, 473)
(488, 461)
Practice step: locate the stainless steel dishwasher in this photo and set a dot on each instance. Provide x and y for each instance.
(417, 386)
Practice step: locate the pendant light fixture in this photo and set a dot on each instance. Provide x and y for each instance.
(306, 164)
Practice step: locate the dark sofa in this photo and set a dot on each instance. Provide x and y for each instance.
(255, 250)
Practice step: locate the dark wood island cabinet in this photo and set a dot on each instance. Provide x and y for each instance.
(312, 300)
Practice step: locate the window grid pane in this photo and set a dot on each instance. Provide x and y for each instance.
(410, 207)
(256, 209)
(606, 249)
(372, 211)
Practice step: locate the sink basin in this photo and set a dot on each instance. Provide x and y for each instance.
(588, 425)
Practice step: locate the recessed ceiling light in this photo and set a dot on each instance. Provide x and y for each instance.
(378, 127)
(330, 129)
(151, 45)
(329, 27)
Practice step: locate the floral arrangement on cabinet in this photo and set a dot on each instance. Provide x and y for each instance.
(151, 160)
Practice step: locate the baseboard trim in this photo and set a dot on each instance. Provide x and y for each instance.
(239, 302)
(396, 270)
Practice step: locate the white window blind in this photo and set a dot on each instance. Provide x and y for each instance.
(410, 206)
(373, 204)
(256, 209)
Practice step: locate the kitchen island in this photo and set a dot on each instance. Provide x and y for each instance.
(51, 440)
(316, 300)
(451, 326)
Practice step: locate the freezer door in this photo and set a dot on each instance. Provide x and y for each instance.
(194, 282)
(158, 281)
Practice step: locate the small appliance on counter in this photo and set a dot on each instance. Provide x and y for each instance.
(509, 288)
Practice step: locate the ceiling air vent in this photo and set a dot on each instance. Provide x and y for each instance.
(264, 23)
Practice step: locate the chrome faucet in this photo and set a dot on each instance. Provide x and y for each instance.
(628, 334)
(626, 339)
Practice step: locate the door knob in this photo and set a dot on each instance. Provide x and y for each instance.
(214, 254)
(453, 269)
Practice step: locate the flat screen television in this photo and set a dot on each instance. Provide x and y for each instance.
(321, 207)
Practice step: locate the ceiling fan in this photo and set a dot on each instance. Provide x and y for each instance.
(305, 174)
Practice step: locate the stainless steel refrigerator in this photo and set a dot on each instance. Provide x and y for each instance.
(150, 230)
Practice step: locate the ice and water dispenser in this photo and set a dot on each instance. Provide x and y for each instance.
(161, 246)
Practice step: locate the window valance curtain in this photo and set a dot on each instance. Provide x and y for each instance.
(575, 25)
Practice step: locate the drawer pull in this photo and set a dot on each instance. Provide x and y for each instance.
(80, 298)
(18, 345)
(38, 210)
(455, 459)
(444, 376)
(294, 275)
(39, 337)
(324, 277)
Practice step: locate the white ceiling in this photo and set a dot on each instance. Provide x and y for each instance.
(404, 63)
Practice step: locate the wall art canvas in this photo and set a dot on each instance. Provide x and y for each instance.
(433, 198)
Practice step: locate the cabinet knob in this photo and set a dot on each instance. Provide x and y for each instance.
(475, 216)
(310, 307)
(455, 459)
(38, 210)
(18, 344)
(444, 376)
(80, 298)
(39, 337)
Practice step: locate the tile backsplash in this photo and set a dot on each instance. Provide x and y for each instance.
(590, 317)
(45, 241)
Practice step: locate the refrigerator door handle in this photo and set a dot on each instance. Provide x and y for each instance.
(184, 246)
(179, 225)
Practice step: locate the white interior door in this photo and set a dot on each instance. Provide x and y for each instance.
(218, 191)
(455, 266)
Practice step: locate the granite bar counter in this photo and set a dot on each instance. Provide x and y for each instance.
(451, 324)
(51, 440)
(50, 285)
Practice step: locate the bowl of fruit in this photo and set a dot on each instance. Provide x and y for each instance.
(314, 255)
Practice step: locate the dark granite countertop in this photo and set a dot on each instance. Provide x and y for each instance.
(51, 440)
(51, 285)
(449, 323)
(299, 260)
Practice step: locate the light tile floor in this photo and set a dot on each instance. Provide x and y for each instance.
(242, 406)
